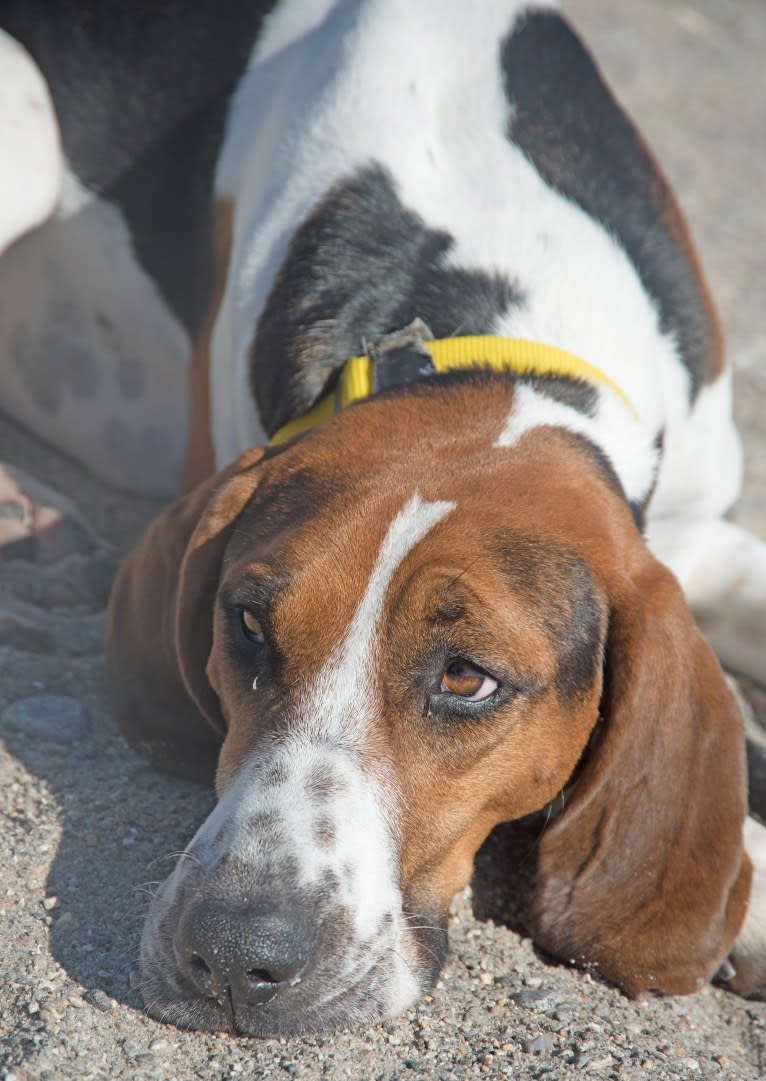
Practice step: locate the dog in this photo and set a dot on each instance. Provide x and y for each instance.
(458, 451)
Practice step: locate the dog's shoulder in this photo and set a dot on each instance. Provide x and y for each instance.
(566, 120)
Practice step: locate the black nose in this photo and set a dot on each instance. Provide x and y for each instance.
(238, 951)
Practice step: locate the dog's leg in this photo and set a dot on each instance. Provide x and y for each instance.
(49, 559)
(748, 955)
(92, 359)
(722, 569)
(55, 574)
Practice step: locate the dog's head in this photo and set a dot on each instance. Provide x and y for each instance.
(407, 634)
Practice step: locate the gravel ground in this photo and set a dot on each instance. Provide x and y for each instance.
(87, 828)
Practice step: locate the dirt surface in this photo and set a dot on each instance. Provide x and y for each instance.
(87, 827)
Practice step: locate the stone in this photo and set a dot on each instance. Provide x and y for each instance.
(48, 718)
(540, 1045)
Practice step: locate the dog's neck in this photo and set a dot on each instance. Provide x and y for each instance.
(412, 354)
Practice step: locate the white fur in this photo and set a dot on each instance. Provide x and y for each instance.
(701, 471)
(353, 82)
(326, 731)
(392, 82)
(340, 702)
(749, 950)
(613, 428)
(722, 569)
(30, 158)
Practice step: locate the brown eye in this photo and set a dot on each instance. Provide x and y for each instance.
(251, 627)
(464, 680)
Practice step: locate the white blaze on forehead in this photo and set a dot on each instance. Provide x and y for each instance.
(344, 687)
(350, 828)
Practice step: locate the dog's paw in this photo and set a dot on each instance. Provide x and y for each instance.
(37, 524)
(752, 703)
(49, 558)
(745, 971)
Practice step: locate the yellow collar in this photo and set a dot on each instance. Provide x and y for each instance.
(483, 352)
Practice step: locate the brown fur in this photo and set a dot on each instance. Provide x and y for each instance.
(642, 875)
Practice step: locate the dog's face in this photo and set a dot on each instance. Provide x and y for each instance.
(403, 658)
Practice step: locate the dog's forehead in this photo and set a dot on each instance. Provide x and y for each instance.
(312, 506)
(418, 570)
(317, 575)
(288, 500)
(359, 467)
(515, 555)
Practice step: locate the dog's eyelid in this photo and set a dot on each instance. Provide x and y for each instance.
(257, 595)
(246, 618)
(251, 626)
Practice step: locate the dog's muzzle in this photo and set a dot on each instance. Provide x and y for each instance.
(285, 915)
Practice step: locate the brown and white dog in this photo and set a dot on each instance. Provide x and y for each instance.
(455, 603)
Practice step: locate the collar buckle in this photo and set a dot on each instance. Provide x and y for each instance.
(402, 357)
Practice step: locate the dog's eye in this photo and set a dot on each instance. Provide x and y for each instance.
(251, 628)
(466, 681)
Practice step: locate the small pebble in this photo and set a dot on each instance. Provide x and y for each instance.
(539, 999)
(98, 998)
(541, 1044)
(604, 1062)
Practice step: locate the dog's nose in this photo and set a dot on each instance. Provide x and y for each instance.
(225, 950)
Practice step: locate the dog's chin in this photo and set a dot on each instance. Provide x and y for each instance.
(370, 1000)
(314, 1005)
(352, 1008)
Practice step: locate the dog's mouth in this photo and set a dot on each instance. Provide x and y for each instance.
(343, 983)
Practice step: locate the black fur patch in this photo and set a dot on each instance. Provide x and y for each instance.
(561, 591)
(283, 501)
(141, 92)
(361, 266)
(578, 394)
(583, 145)
(604, 467)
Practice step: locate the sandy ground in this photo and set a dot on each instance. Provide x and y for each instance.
(87, 828)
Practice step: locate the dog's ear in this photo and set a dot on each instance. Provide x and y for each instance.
(160, 624)
(198, 582)
(643, 875)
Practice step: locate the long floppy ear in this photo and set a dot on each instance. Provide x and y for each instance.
(160, 623)
(643, 875)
